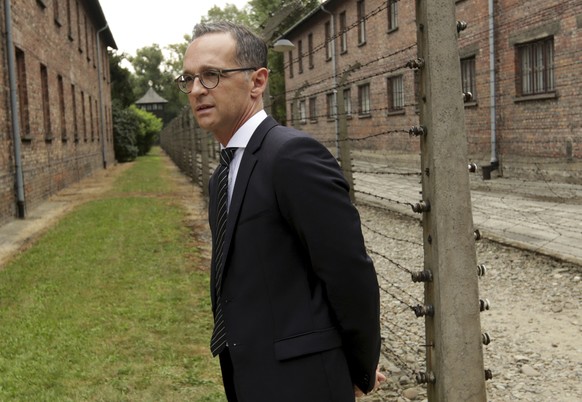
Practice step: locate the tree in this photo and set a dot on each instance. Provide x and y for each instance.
(122, 92)
(151, 65)
(231, 13)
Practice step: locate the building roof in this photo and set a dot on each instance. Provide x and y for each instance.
(151, 96)
(310, 14)
(96, 13)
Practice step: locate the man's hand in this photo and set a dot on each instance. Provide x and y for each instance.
(380, 378)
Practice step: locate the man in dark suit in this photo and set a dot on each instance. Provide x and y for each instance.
(294, 293)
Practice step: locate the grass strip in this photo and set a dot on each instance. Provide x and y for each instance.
(110, 304)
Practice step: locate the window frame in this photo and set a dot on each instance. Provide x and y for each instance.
(469, 82)
(392, 15)
(395, 94)
(364, 100)
(541, 80)
(361, 9)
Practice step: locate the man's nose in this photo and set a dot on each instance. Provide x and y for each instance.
(197, 87)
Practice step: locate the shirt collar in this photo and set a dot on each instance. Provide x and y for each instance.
(243, 135)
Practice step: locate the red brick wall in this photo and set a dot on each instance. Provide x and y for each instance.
(55, 159)
(529, 131)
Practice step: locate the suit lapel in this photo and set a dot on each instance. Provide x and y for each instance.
(247, 165)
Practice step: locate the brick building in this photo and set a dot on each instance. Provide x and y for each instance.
(525, 114)
(55, 99)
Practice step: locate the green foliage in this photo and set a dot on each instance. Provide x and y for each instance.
(231, 13)
(149, 127)
(122, 90)
(124, 134)
(153, 66)
(134, 132)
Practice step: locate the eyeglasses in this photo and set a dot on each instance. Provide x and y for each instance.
(208, 78)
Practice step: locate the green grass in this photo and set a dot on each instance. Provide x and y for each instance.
(110, 305)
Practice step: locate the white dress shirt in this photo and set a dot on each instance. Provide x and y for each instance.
(240, 140)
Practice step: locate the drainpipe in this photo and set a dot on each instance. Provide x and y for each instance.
(335, 88)
(101, 102)
(494, 162)
(20, 203)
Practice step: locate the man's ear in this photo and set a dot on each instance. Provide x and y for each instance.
(260, 81)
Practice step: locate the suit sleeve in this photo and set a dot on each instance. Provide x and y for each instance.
(314, 198)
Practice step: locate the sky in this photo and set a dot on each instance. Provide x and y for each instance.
(139, 23)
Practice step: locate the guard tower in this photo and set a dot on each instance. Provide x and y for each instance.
(152, 102)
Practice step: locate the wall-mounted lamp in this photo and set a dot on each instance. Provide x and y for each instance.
(283, 45)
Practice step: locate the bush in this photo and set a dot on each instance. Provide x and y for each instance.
(149, 129)
(134, 132)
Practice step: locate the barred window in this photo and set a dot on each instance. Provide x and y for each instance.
(328, 41)
(364, 99)
(392, 14)
(535, 62)
(330, 105)
(302, 111)
(300, 56)
(468, 77)
(361, 22)
(344, 33)
(395, 93)
(312, 109)
(310, 49)
(348, 102)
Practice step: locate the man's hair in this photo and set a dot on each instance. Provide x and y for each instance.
(251, 51)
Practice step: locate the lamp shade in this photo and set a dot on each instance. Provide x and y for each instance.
(283, 45)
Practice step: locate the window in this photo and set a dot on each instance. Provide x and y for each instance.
(344, 32)
(56, 12)
(392, 15)
(361, 22)
(69, 23)
(61, 89)
(79, 25)
(46, 111)
(364, 100)
(22, 94)
(290, 64)
(86, 37)
(330, 111)
(75, 124)
(84, 116)
(91, 121)
(293, 111)
(328, 42)
(300, 56)
(348, 102)
(302, 112)
(395, 94)
(468, 77)
(310, 49)
(535, 67)
(97, 121)
(312, 109)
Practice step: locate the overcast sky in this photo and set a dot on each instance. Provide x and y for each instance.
(139, 23)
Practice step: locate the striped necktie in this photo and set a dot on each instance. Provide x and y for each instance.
(218, 340)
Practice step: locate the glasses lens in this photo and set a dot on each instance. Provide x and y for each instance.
(209, 78)
(185, 83)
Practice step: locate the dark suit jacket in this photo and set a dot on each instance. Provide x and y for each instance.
(299, 292)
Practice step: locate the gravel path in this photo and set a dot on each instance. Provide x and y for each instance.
(534, 321)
